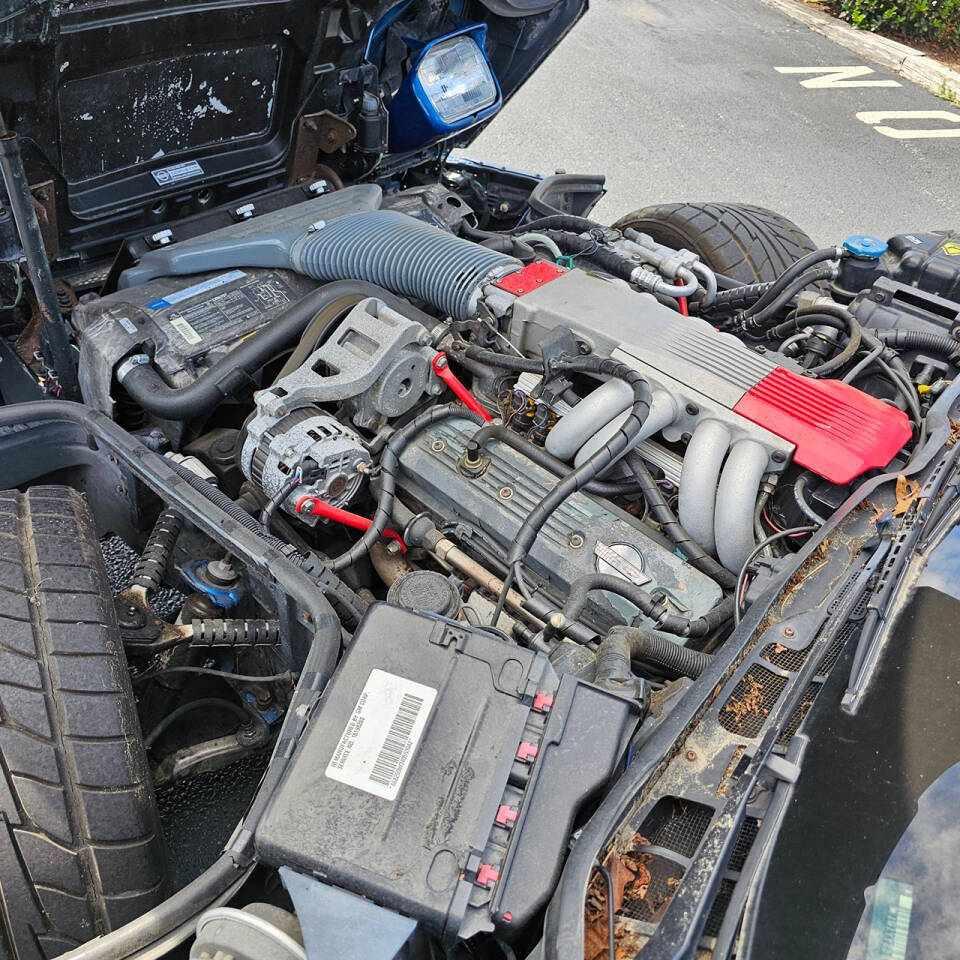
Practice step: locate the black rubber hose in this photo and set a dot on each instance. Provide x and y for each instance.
(844, 356)
(660, 512)
(737, 298)
(604, 257)
(234, 371)
(503, 434)
(566, 222)
(800, 498)
(644, 645)
(502, 361)
(389, 465)
(757, 316)
(171, 718)
(655, 610)
(939, 343)
(596, 464)
(786, 278)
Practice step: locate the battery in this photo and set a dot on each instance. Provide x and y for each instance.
(442, 774)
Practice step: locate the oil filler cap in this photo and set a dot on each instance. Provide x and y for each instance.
(865, 247)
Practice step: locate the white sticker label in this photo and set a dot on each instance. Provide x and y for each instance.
(127, 324)
(377, 746)
(184, 329)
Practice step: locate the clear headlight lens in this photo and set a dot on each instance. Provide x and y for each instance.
(456, 78)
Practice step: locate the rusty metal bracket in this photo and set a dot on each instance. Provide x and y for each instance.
(317, 133)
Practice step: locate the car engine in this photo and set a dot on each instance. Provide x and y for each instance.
(527, 481)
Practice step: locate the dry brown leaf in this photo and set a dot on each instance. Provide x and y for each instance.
(907, 491)
(954, 433)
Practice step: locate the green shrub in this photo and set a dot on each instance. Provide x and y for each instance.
(937, 20)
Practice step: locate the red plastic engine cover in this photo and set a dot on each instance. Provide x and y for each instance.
(839, 431)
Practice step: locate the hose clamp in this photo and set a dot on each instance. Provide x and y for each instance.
(131, 363)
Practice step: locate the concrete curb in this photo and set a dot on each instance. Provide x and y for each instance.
(905, 61)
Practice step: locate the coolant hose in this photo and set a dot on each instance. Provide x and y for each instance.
(389, 466)
(640, 644)
(653, 609)
(146, 388)
(661, 513)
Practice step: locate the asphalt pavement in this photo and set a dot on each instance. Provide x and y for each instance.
(683, 100)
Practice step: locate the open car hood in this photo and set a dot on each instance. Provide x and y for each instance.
(133, 113)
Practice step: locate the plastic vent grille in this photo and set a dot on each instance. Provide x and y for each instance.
(719, 908)
(665, 876)
(806, 702)
(677, 824)
(746, 836)
(747, 708)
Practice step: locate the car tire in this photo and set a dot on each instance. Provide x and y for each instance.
(81, 851)
(749, 244)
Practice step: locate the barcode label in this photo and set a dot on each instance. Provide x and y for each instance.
(378, 744)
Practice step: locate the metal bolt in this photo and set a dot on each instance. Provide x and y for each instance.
(691, 756)
(504, 207)
(692, 409)
(307, 506)
(505, 493)
(778, 456)
(441, 362)
(424, 338)
(393, 548)
(121, 489)
(789, 632)
(575, 540)
(437, 446)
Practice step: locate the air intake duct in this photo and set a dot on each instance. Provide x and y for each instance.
(385, 247)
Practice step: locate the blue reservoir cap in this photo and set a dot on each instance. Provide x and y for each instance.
(865, 247)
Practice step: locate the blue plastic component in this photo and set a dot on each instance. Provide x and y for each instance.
(225, 597)
(865, 247)
(414, 119)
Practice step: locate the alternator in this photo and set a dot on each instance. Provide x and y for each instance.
(331, 456)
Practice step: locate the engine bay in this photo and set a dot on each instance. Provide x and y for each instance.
(525, 482)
